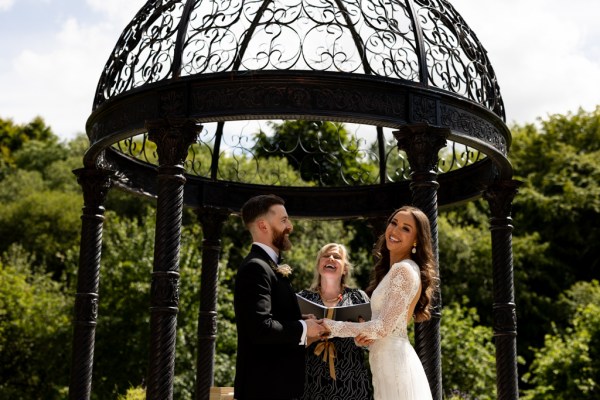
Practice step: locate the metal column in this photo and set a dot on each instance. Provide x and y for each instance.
(500, 196)
(212, 222)
(422, 144)
(172, 139)
(95, 184)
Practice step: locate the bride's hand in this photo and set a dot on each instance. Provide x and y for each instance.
(363, 340)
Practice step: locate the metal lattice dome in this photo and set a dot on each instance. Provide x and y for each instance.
(241, 69)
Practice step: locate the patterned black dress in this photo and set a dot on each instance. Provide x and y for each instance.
(353, 379)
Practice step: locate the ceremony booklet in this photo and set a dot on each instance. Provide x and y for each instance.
(340, 313)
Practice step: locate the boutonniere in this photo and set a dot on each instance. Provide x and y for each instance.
(282, 269)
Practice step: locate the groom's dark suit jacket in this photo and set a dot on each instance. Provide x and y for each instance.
(270, 360)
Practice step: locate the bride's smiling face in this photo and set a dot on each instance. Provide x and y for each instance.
(400, 235)
(331, 263)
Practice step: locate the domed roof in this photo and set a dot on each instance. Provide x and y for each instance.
(421, 41)
(240, 70)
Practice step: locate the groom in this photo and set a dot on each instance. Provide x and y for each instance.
(271, 332)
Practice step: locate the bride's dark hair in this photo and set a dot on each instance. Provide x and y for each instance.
(423, 257)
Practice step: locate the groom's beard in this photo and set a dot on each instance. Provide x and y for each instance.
(281, 241)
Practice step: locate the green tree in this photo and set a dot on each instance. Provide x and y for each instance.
(41, 200)
(34, 329)
(556, 213)
(468, 354)
(323, 152)
(14, 136)
(560, 198)
(37, 155)
(466, 270)
(568, 366)
(46, 223)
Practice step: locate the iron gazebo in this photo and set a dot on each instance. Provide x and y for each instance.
(193, 87)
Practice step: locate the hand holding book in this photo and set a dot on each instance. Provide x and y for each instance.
(340, 313)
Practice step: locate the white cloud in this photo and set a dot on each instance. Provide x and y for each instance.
(59, 82)
(545, 55)
(117, 11)
(6, 4)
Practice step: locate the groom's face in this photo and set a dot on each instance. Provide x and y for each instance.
(281, 227)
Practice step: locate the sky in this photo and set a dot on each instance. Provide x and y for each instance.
(546, 55)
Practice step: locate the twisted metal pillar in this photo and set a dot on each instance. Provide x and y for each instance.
(172, 139)
(95, 185)
(422, 144)
(500, 196)
(212, 221)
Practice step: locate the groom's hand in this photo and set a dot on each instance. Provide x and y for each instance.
(315, 328)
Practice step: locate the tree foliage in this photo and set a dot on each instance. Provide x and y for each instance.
(468, 354)
(323, 152)
(34, 329)
(556, 215)
(560, 199)
(14, 136)
(568, 365)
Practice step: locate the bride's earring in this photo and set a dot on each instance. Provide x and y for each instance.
(414, 249)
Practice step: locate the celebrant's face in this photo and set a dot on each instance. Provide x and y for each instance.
(331, 263)
(281, 227)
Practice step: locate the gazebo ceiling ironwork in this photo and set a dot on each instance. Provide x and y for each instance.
(234, 67)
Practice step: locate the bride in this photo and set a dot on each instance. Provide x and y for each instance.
(401, 288)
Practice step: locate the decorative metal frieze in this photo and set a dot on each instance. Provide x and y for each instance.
(172, 104)
(271, 98)
(128, 116)
(423, 110)
(474, 126)
(306, 150)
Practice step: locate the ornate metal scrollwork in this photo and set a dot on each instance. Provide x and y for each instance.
(410, 40)
(456, 60)
(241, 158)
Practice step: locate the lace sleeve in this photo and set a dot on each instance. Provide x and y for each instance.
(399, 290)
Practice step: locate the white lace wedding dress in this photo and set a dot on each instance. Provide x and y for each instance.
(397, 371)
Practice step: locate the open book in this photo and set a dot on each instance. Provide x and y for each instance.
(340, 313)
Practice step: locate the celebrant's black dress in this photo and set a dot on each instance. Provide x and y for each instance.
(353, 380)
